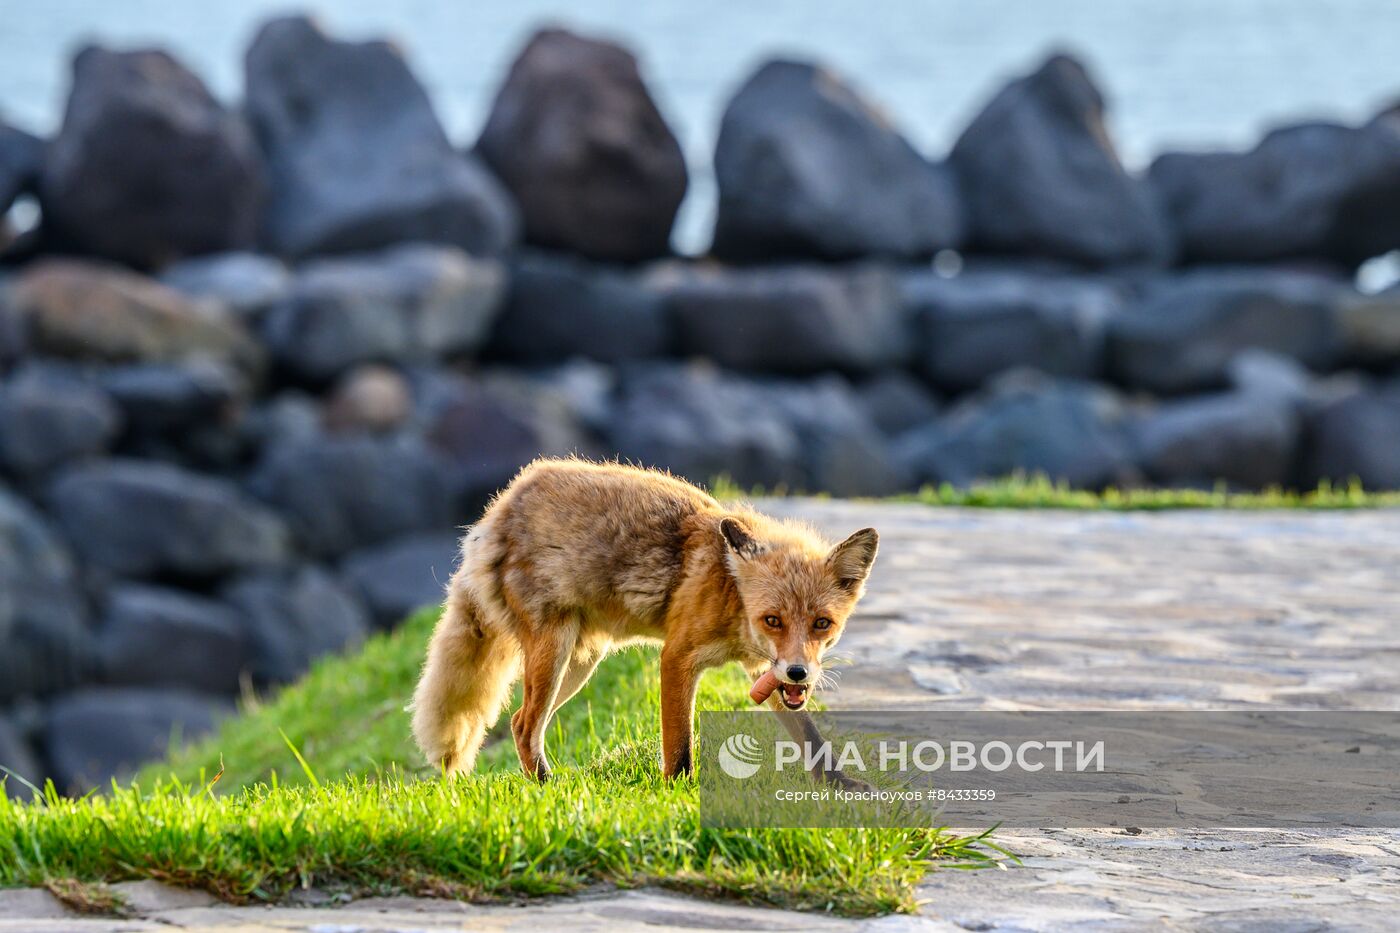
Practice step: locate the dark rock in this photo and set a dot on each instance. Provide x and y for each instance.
(1370, 327)
(1183, 334)
(414, 303)
(698, 422)
(1259, 372)
(98, 734)
(569, 396)
(245, 283)
(295, 617)
(356, 158)
(561, 307)
(843, 454)
(578, 140)
(1040, 176)
(21, 162)
(977, 325)
(790, 319)
(342, 493)
(141, 519)
(102, 313)
(160, 398)
(148, 167)
(369, 398)
(1243, 439)
(404, 575)
(151, 636)
(807, 168)
(48, 418)
(1355, 437)
(19, 767)
(895, 402)
(1070, 432)
(1316, 190)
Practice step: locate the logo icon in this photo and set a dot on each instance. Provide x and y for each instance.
(739, 756)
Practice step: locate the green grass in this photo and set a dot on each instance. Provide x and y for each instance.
(320, 786)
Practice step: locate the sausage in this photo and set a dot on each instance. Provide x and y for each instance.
(763, 687)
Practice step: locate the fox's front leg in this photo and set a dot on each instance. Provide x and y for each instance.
(680, 675)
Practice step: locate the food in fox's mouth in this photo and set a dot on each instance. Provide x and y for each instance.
(763, 687)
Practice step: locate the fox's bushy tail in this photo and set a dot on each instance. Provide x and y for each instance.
(466, 680)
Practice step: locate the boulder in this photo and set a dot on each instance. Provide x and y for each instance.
(404, 575)
(1259, 372)
(1040, 176)
(702, 424)
(343, 493)
(164, 398)
(369, 398)
(895, 402)
(356, 158)
(95, 735)
(105, 314)
(1316, 190)
(148, 167)
(1370, 326)
(245, 283)
(1071, 432)
(1182, 335)
(413, 303)
(294, 617)
(977, 325)
(842, 453)
(561, 307)
(1239, 438)
(21, 163)
(153, 636)
(579, 142)
(19, 767)
(49, 417)
(807, 168)
(1355, 437)
(790, 319)
(142, 519)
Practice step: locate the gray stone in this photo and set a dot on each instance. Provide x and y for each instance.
(577, 139)
(404, 575)
(1183, 334)
(843, 453)
(369, 398)
(1316, 190)
(1040, 176)
(160, 398)
(413, 303)
(295, 617)
(1243, 439)
(561, 307)
(790, 319)
(807, 168)
(152, 636)
(148, 167)
(1070, 432)
(895, 402)
(245, 283)
(1355, 437)
(343, 493)
(21, 162)
(142, 519)
(48, 418)
(1259, 372)
(1370, 327)
(977, 325)
(19, 767)
(97, 734)
(356, 158)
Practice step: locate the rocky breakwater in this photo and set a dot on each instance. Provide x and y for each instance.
(259, 362)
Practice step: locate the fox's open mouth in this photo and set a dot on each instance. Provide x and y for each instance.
(794, 695)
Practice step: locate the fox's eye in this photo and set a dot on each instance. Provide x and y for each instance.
(772, 621)
(821, 624)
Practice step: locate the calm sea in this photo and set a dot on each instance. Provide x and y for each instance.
(1178, 73)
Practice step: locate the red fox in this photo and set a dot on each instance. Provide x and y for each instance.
(575, 559)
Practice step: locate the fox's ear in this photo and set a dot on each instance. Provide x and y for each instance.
(737, 538)
(852, 559)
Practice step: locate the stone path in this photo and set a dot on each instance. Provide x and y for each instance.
(1058, 610)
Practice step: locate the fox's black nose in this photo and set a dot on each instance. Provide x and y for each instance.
(797, 673)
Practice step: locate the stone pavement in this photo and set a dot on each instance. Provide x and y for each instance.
(1050, 610)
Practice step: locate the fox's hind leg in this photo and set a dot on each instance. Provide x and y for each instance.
(548, 650)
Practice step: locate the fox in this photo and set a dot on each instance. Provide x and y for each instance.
(576, 559)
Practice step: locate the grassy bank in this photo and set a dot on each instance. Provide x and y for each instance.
(320, 787)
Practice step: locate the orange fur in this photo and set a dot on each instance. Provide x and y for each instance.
(575, 559)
